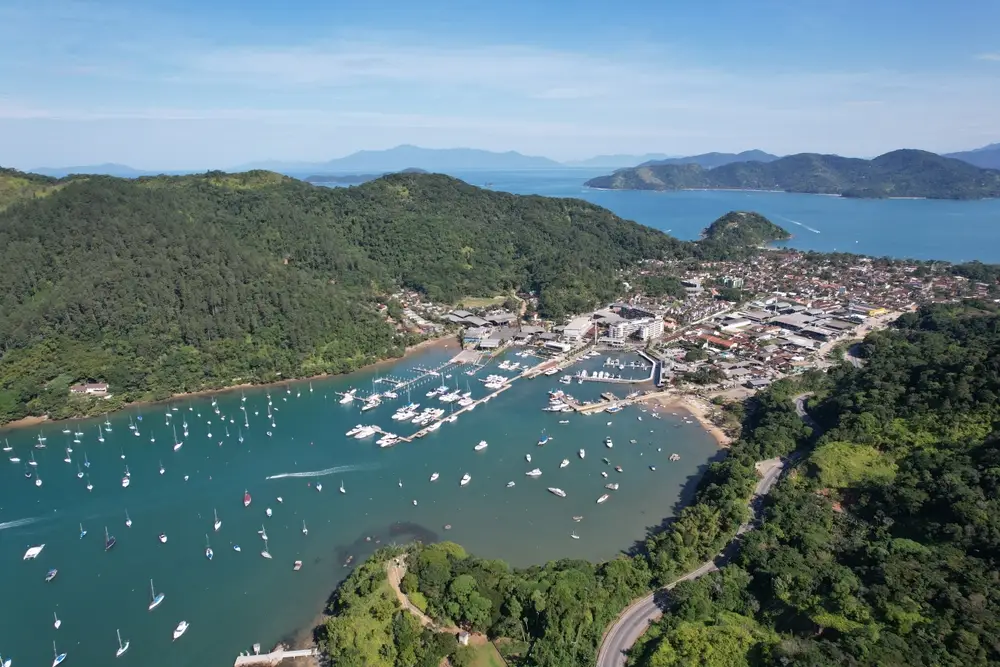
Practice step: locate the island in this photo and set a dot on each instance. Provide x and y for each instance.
(355, 179)
(901, 173)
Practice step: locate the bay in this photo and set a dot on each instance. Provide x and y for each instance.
(237, 599)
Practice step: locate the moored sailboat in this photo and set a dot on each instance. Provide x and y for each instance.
(121, 647)
(156, 598)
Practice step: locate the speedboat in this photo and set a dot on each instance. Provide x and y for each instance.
(557, 491)
(510, 484)
(618, 469)
(180, 629)
(613, 486)
(534, 473)
(564, 463)
(162, 538)
(297, 566)
(608, 443)
(434, 477)
(653, 468)
(466, 478)
(582, 454)
(604, 474)
(51, 574)
(603, 498)
(236, 547)
(527, 457)
(481, 446)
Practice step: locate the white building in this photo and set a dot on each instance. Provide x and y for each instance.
(646, 328)
(576, 329)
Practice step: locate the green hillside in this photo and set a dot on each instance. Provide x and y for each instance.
(902, 173)
(165, 284)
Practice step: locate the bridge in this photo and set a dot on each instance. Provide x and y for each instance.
(274, 657)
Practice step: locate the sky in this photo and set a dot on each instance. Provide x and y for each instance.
(189, 84)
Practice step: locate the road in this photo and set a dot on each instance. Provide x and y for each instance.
(632, 623)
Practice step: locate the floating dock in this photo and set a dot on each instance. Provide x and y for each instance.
(274, 657)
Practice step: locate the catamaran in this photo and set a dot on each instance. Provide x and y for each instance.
(156, 598)
(121, 647)
(217, 524)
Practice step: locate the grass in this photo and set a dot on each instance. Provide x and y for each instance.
(487, 656)
(481, 302)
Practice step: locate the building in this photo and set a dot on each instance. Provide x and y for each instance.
(475, 335)
(577, 328)
(90, 389)
(645, 328)
(733, 281)
(556, 345)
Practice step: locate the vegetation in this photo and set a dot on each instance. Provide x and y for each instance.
(902, 173)
(162, 285)
(883, 548)
(712, 160)
(743, 228)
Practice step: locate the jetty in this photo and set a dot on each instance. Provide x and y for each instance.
(274, 657)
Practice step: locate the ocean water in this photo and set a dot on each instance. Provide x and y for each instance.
(954, 231)
(237, 599)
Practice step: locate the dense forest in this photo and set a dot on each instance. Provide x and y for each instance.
(738, 233)
(902, 173)
(161, 285)
(879, 548)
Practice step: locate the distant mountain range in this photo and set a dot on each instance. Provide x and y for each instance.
(987, 157)
(902, 173)
(712, 160)
(106, 169)
(402, 157)
(356, 179)
(616, 161)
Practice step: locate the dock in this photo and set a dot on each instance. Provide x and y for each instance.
(274, 657)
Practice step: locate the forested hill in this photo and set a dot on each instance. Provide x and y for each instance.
(902, 173)
(167, 284)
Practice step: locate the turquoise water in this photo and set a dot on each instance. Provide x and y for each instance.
(237, 599)
(906, 228)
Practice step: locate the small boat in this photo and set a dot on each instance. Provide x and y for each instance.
(510, 484)
(534, 473)
(121, 647)
(564, 463)
(209, 554)
(557, 491)
(265, 553)
(236, 548)
(319, 487)
(297, 566)
(280, 499)
(38, 480)
(86, 462)
(574, 535)
(582, 454)
(51, 574)
(604, 474)
(246, 498)
(5, 663)
(653, 468)
(608, 443)
(79, 472)
(90, 487)
(481, 446)
(434, 477)
(305, 531)
(128, 520)
(563, 421)
(125, 482)
(155, 598)
(603, 498)
(466, 478)
(58, 623)
(33, 463)
(32, 552)
(400, 483)
(109, 540)
(578, 519)
(162, 469)
(59, 657)
(83, 532)
(414, 502)
(342, 489)
(180, 629)
(163, 538)
(613, 486)
(218, 524)
(268, 511)
(618, 469)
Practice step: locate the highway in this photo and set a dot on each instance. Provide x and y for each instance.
(632, 623)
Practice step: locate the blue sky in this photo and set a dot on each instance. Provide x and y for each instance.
(182, 84)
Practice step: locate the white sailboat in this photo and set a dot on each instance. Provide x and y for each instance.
(100, 434)
(57, 624)
(156, 598)
(265, 553)
(59, 657)
(342, 489)
(305, 531)
(178, 443)
(128, 520)
(121, 647)
(217, 524)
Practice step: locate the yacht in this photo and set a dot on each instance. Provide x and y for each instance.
(347, 396)
(371, 403)
(365, 432)
(481, 446)
(466, 478)
(608, 443)
(534, 473)
(613, 409)
(156, 598)
(582, 454)
(32, 552)
(603, 498)
(618, 469)
(51, 574)
(510, 484)
(355, 430)
(557, 491)
(613, 486)
(434, 477)
(564, 463)
(527, 457)
(180, 629)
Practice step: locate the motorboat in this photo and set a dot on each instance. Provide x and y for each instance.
(466, 478)
(51, 574)
(604, 474)
(246, 498)
(163, 538)
(557, 491)
(564, 463)
(297, 566)
(613, 486)
(510, 484)
(181, 628)
(481, 446)
(434, 477)
(268, 512)
(582, 454)
(608, 443)
(618, 469)
(527, 457)
(534, 473)
(603, 498)
(653, 468)
(574, 535)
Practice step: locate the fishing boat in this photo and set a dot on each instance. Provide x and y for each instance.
(218, 524)
(582, 454)
(181, 629)
(305, 531)
(51, 574)
(603, 498)
(209, 554)
(59, 657)
(246, 498)
(557, 491)
(265, 553)
(155, 598)
(466, 478)
(57, 623)
(83, 533)
(534, 473)
(481, 446)
(121, 647)
(109, 540)
(434, 477)
(128, 520)
(564, 463)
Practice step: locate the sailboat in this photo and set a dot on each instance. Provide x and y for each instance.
(107, 425)
(121, 647)
(156, 598)
(6, 445)
(59, 657)
(109, 540)
(240, 438)
(90, 487)
(246, 498)
(128, 520)
(38, 480)
(79, 472)
(218, 524)
(305, 531)
(5, 663)
(86, 461)
(83, 533)
(162, 469)
(179, 443)
(57, 624)
(209, 554)
(265, 553)
(33, 463)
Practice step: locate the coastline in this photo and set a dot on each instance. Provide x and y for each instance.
(699, 411)
(444, 342)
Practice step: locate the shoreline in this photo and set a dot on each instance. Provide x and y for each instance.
(444, 342)
(698, 410)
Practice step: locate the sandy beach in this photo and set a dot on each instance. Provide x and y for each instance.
(698, 409)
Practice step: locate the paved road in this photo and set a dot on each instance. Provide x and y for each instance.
(632, 622)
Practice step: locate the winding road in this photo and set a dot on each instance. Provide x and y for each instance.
(633, 622)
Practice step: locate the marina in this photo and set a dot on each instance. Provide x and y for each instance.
(213, 495)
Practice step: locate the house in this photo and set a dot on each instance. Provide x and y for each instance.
(90, 389)
(463, 638)
(718, 342)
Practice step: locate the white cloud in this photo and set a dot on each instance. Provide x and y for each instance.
(995, 57)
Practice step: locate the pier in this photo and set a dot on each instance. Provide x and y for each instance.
(274, 657)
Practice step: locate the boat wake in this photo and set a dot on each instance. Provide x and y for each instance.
(796, 222)
(18, 523)
(328, 471)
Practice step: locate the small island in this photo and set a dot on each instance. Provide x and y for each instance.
(902, 173)
(744, 228)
